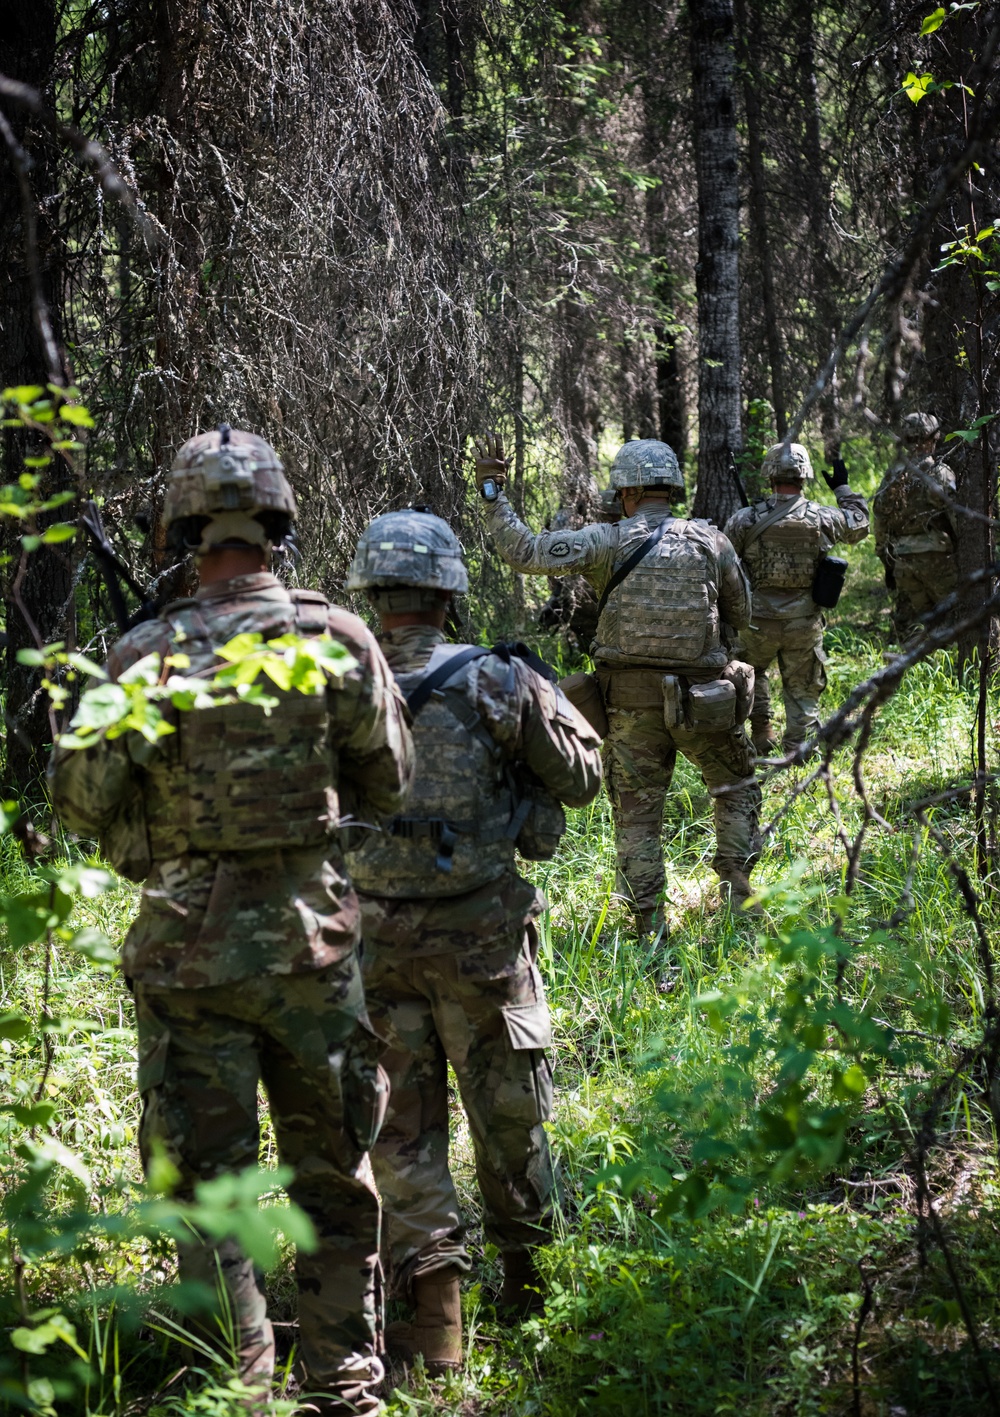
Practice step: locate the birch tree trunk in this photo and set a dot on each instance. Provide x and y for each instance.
(717, 271)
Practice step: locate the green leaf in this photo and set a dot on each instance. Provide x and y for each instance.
(38, 1114)
(22, 393)
(61, 531)
(31, 543)
(94, 945)
(34, 657)
(933, 21)
(76, 413)
(14, 1026)
(916, 87)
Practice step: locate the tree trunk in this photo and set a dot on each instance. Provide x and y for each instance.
(38, 587)
(759, 236)
(717, 272)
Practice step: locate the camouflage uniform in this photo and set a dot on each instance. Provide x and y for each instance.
(450, 973)
(246, 887)
(787, 625)
(572, 602)
(916, 534)
(670, 615)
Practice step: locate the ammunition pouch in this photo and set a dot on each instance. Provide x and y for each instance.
(711, 708)
(828, 581)
(584, 693)
(743, 678)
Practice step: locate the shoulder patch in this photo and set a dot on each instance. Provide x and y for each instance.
(559, 548)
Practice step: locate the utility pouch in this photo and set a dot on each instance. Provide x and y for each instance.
(584, 693)
(673, 701)
(742, 678)
(539, 821)
(711, 708)
(828, 582)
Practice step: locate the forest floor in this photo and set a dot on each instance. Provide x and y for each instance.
(789, 1286)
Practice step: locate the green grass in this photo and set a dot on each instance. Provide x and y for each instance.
(751, 1308)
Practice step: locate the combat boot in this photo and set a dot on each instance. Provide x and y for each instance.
(764, 740)
(735, 888)
(436, 1328)
(523, 1291)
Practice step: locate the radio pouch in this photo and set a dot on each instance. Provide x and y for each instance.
(828, 581)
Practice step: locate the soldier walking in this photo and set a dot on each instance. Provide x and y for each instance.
(244, 955)
(782, 541)
(916, 530)
(450, 973)
(672, 596)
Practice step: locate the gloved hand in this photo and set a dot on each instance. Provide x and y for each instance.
(838, 477)
(491, 466)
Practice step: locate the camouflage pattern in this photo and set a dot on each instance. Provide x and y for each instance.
(797, 645)
(283, 922)
(202, 1053)
(782, 561)
(918, 427)
(212, 918)
(786, 462)
(691, 598)
(228, 476)
(646, 462)
(482, 1010)
(451, 979)
(916, 534)
(408, 548)
(640, 753)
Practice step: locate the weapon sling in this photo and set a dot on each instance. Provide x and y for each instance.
(629, 566)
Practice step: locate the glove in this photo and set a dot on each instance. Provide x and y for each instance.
(491, 466)
(838, 477)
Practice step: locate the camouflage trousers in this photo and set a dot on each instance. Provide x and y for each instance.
(305, 1036)
(797, 645)
(922, 579)
(640, 753)
(484, 1012)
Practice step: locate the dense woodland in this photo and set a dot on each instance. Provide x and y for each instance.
(370, 229)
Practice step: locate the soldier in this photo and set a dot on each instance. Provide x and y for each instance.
(450, 973)
(781, 542)
(671, 592)
(916, 532)
(572, 604)
(244, 956)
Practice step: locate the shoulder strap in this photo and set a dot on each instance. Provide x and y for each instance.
(419, 695)
(773, 517)
(629, 566)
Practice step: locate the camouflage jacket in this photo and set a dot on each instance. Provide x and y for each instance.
(914, 509)
(523, 715)
(281, 902)
(782, 561)
(671, 612)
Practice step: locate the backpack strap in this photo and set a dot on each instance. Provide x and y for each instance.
(419, 695)
(629, 566)
(770, 519)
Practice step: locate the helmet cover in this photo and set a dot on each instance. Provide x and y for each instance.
(408, 548)
(919, 427)
(227, 474)
(786, 462)
(646, 462)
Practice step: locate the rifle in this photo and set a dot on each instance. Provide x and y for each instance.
(744, 499)
(114, 571)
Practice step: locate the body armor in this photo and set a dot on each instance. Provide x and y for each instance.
(665, 612)
(785, 556)
(460, 808)
(232, 778)
(912, 504)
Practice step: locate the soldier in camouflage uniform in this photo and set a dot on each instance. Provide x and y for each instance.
(916, 530)
(781, 541)
(572, 602)
(662, 659)
(244, 955)
(450, 973)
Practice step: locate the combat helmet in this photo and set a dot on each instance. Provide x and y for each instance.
(408, 560)
(786, 462)
(227, 487)
(919, 427)
(646, 462)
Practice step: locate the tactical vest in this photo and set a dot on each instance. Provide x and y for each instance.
(665, 611)
(913, 512)
(785, 556)
(461, 801)
(233, 778)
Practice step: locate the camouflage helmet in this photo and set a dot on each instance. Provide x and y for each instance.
(919, 427)
(220, 484)
(646, 462)
(786, 462)
(408, 548)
